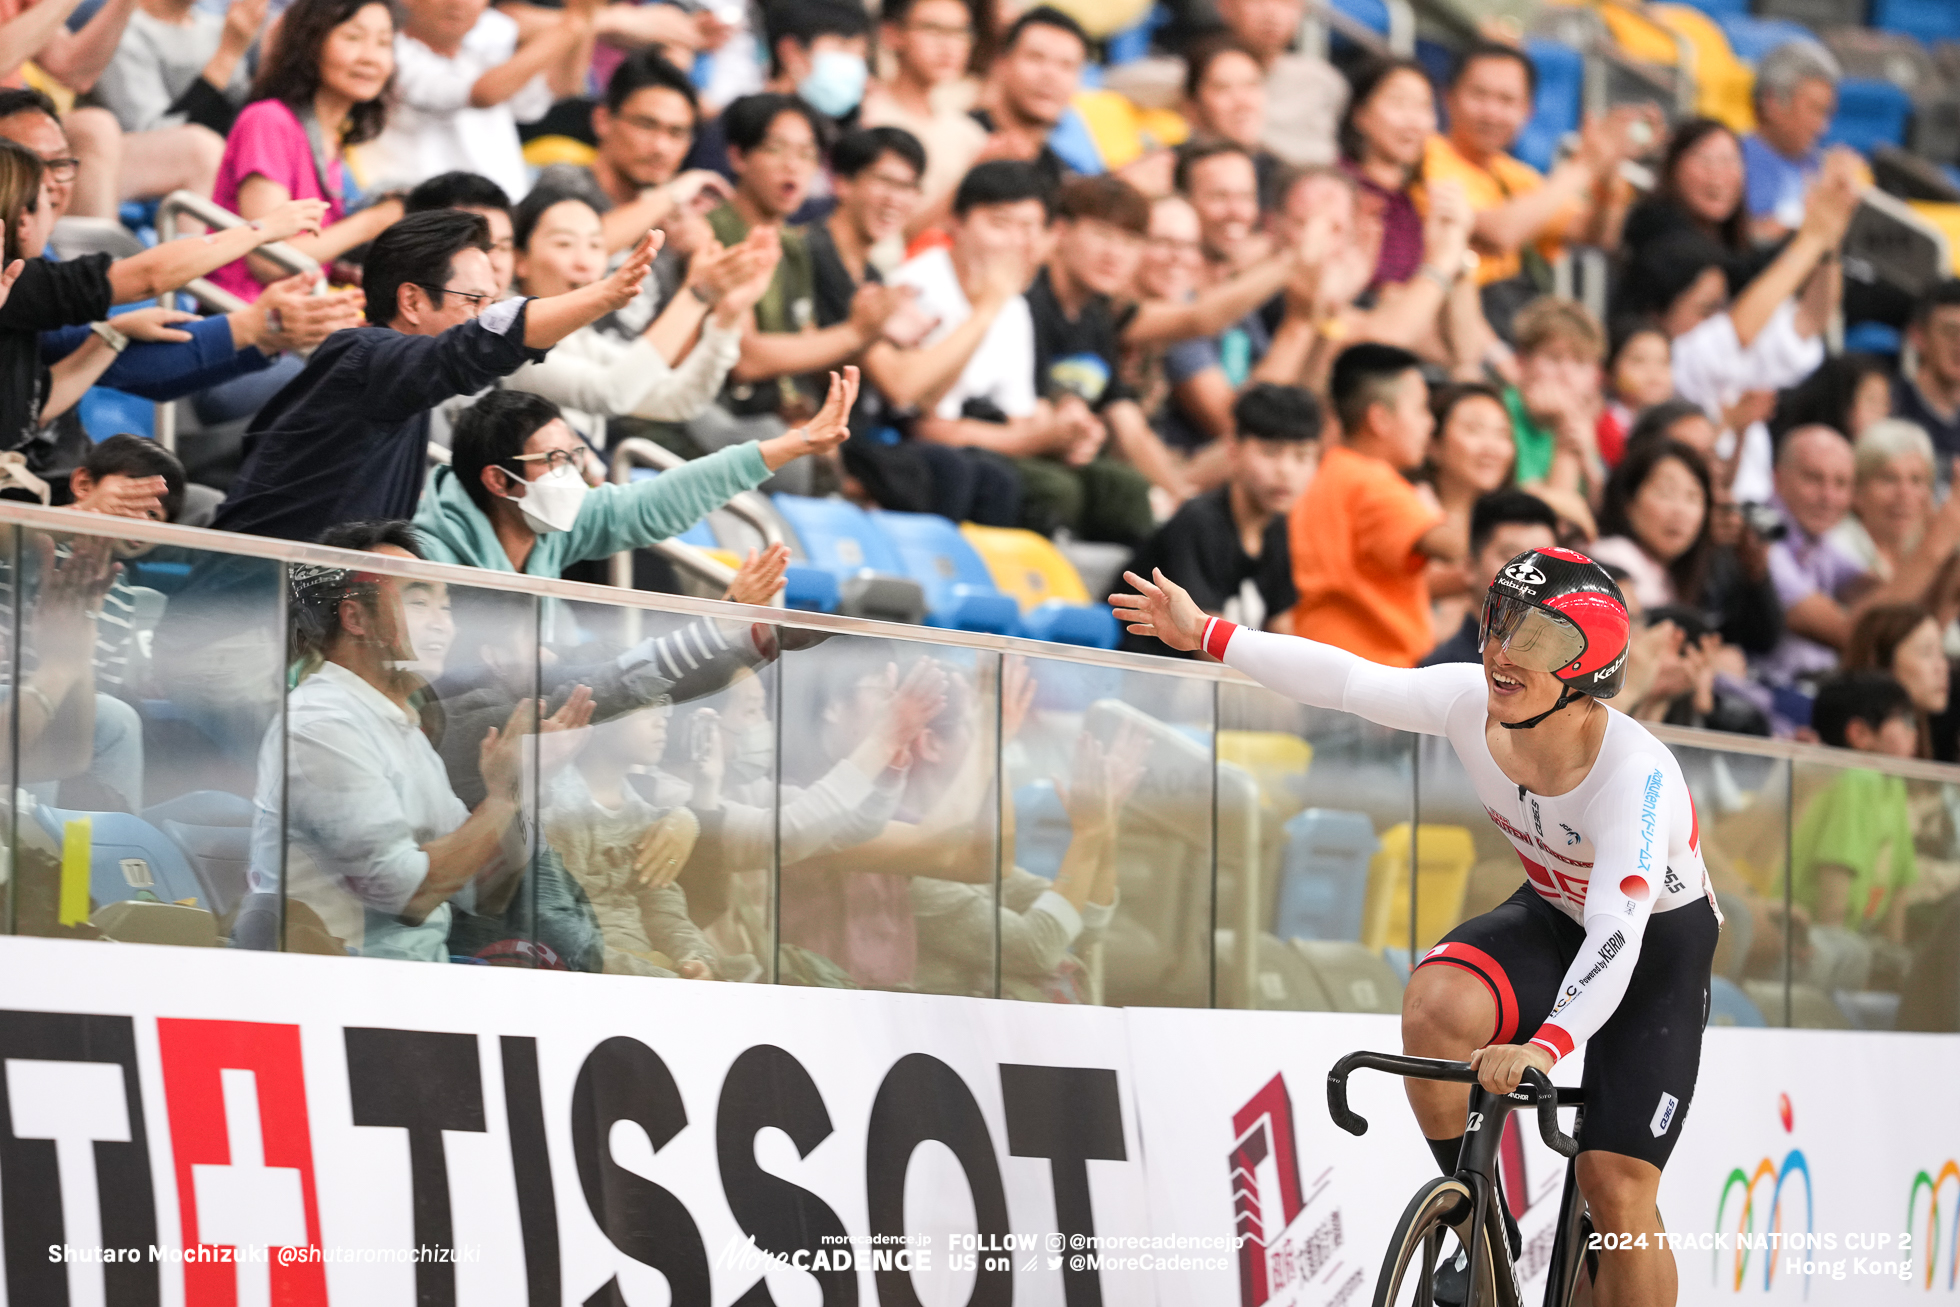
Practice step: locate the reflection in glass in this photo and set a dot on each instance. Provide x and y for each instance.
(135, 755)
(888, 771)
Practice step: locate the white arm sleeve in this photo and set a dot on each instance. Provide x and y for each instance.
(1401, 698)
(1628, 824)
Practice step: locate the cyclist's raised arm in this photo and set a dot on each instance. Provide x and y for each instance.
(1629, 824)
(1406, 699)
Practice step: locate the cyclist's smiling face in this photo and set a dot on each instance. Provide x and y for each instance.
(1516, 693)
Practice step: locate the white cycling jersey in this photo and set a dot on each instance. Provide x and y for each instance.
(1622, 844)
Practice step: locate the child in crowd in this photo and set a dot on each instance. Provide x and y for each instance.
(625, 853)
(1851, 854)
(1640, 374)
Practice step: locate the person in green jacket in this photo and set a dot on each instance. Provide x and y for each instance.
(516, 496)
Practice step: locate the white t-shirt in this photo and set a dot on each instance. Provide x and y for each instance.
(1002, 367)
(1618, 847)
(1712, 369)
(433, 129)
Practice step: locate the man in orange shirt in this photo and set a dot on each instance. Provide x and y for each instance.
(1490, 101)
(1361, 535)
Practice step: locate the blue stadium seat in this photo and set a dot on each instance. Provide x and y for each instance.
(1931, 21)
(1041, 828)
(1133, 43)
(1873, 338)
(128, 857)
(1372, 14)
(1752, 38)
(1324, 874)
(214, 829)
(842, 539)
(1729, 1006)
(1560, 103)
(105, 412)
(1720, 9)
(960, 591)
(1092, 626)
(1867, 1009)
(1870, 113)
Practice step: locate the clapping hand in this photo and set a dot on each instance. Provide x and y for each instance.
(760, 576)
(822, 433)
(623, 286)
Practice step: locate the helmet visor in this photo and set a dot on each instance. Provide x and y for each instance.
(1536, 640)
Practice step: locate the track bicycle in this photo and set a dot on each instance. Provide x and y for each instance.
(1466, 1202)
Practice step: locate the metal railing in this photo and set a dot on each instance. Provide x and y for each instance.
(748, 506)
(212, 298)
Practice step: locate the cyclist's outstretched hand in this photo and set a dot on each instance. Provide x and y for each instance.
(1160, 607)
(1500, 1067)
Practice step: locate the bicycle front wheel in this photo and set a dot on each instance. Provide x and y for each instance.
(1442, 1205)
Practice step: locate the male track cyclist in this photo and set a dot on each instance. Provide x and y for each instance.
(1609, 940)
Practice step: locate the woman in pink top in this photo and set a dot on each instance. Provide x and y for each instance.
(333, 64)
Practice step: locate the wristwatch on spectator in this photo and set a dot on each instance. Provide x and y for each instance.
(114, 339)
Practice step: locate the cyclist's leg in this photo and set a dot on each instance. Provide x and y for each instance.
(1490, 981)
(1623, 1195)
(1641, 1070)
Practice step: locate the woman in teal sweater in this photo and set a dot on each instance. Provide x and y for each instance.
(516, 497)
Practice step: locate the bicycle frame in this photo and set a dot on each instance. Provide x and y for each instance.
(1477, 1163)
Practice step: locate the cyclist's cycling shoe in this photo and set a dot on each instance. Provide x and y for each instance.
(1451, 1286)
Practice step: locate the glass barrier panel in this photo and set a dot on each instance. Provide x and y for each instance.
(1313, 856)
(1929, 994)
(18, 812)
(148, 679)
(889, 817)
(664, 813)
(1855, 882)
(1107, 897)
(1742, 819)
(413, 746)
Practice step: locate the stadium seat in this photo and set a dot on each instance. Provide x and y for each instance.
(1817, 15)
(1371, 14)
(1870, 113)
(806, 588)
(1282, 981)
(1444, 856)
(1324, 874)
(1722, 8)
(214, 829)
(1723, 83)
(843, 540)
(1868, 1009)
(1354, 979)
(1946, 217)
(1041, 829)
(136, 921)
(1729, 1006)
(1873, 338)
(1810, 1007)
(960, 592)
(128, 857)
(105, 412)
(1752, 38)
(1277, 760)
(1909, 65)
(1054, 604)
(1931, 21)
(1559, 105)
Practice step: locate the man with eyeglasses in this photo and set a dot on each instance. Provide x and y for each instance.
(1931, 395)
(644, 128)
(347, 439)
(931, 42)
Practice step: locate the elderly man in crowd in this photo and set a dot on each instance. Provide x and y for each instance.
(1796, 97)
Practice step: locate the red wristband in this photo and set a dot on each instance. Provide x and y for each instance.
(1554, 1041)
(1218, 634)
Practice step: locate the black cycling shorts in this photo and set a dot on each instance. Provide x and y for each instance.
(1641, 1065)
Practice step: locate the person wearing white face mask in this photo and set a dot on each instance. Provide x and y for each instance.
(516, 496)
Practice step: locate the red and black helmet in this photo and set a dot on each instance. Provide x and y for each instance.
(1553, 610)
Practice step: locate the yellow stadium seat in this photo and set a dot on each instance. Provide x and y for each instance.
(1639, 36)
(1724, 85)
(1446, 854)
(1026, 565)
(1277, 760)
(44, 82)
(1124, 132)
(543, 151)
(1947, 218)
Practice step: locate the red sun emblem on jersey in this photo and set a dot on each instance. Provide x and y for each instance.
(1635, 887)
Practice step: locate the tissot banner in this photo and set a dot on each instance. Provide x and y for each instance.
(184, 1126)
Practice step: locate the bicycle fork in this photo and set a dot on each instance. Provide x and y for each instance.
(1483, 1133)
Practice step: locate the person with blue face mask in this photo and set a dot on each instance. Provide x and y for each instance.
(818, 51)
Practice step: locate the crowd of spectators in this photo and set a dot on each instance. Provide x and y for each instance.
(1285, 331)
